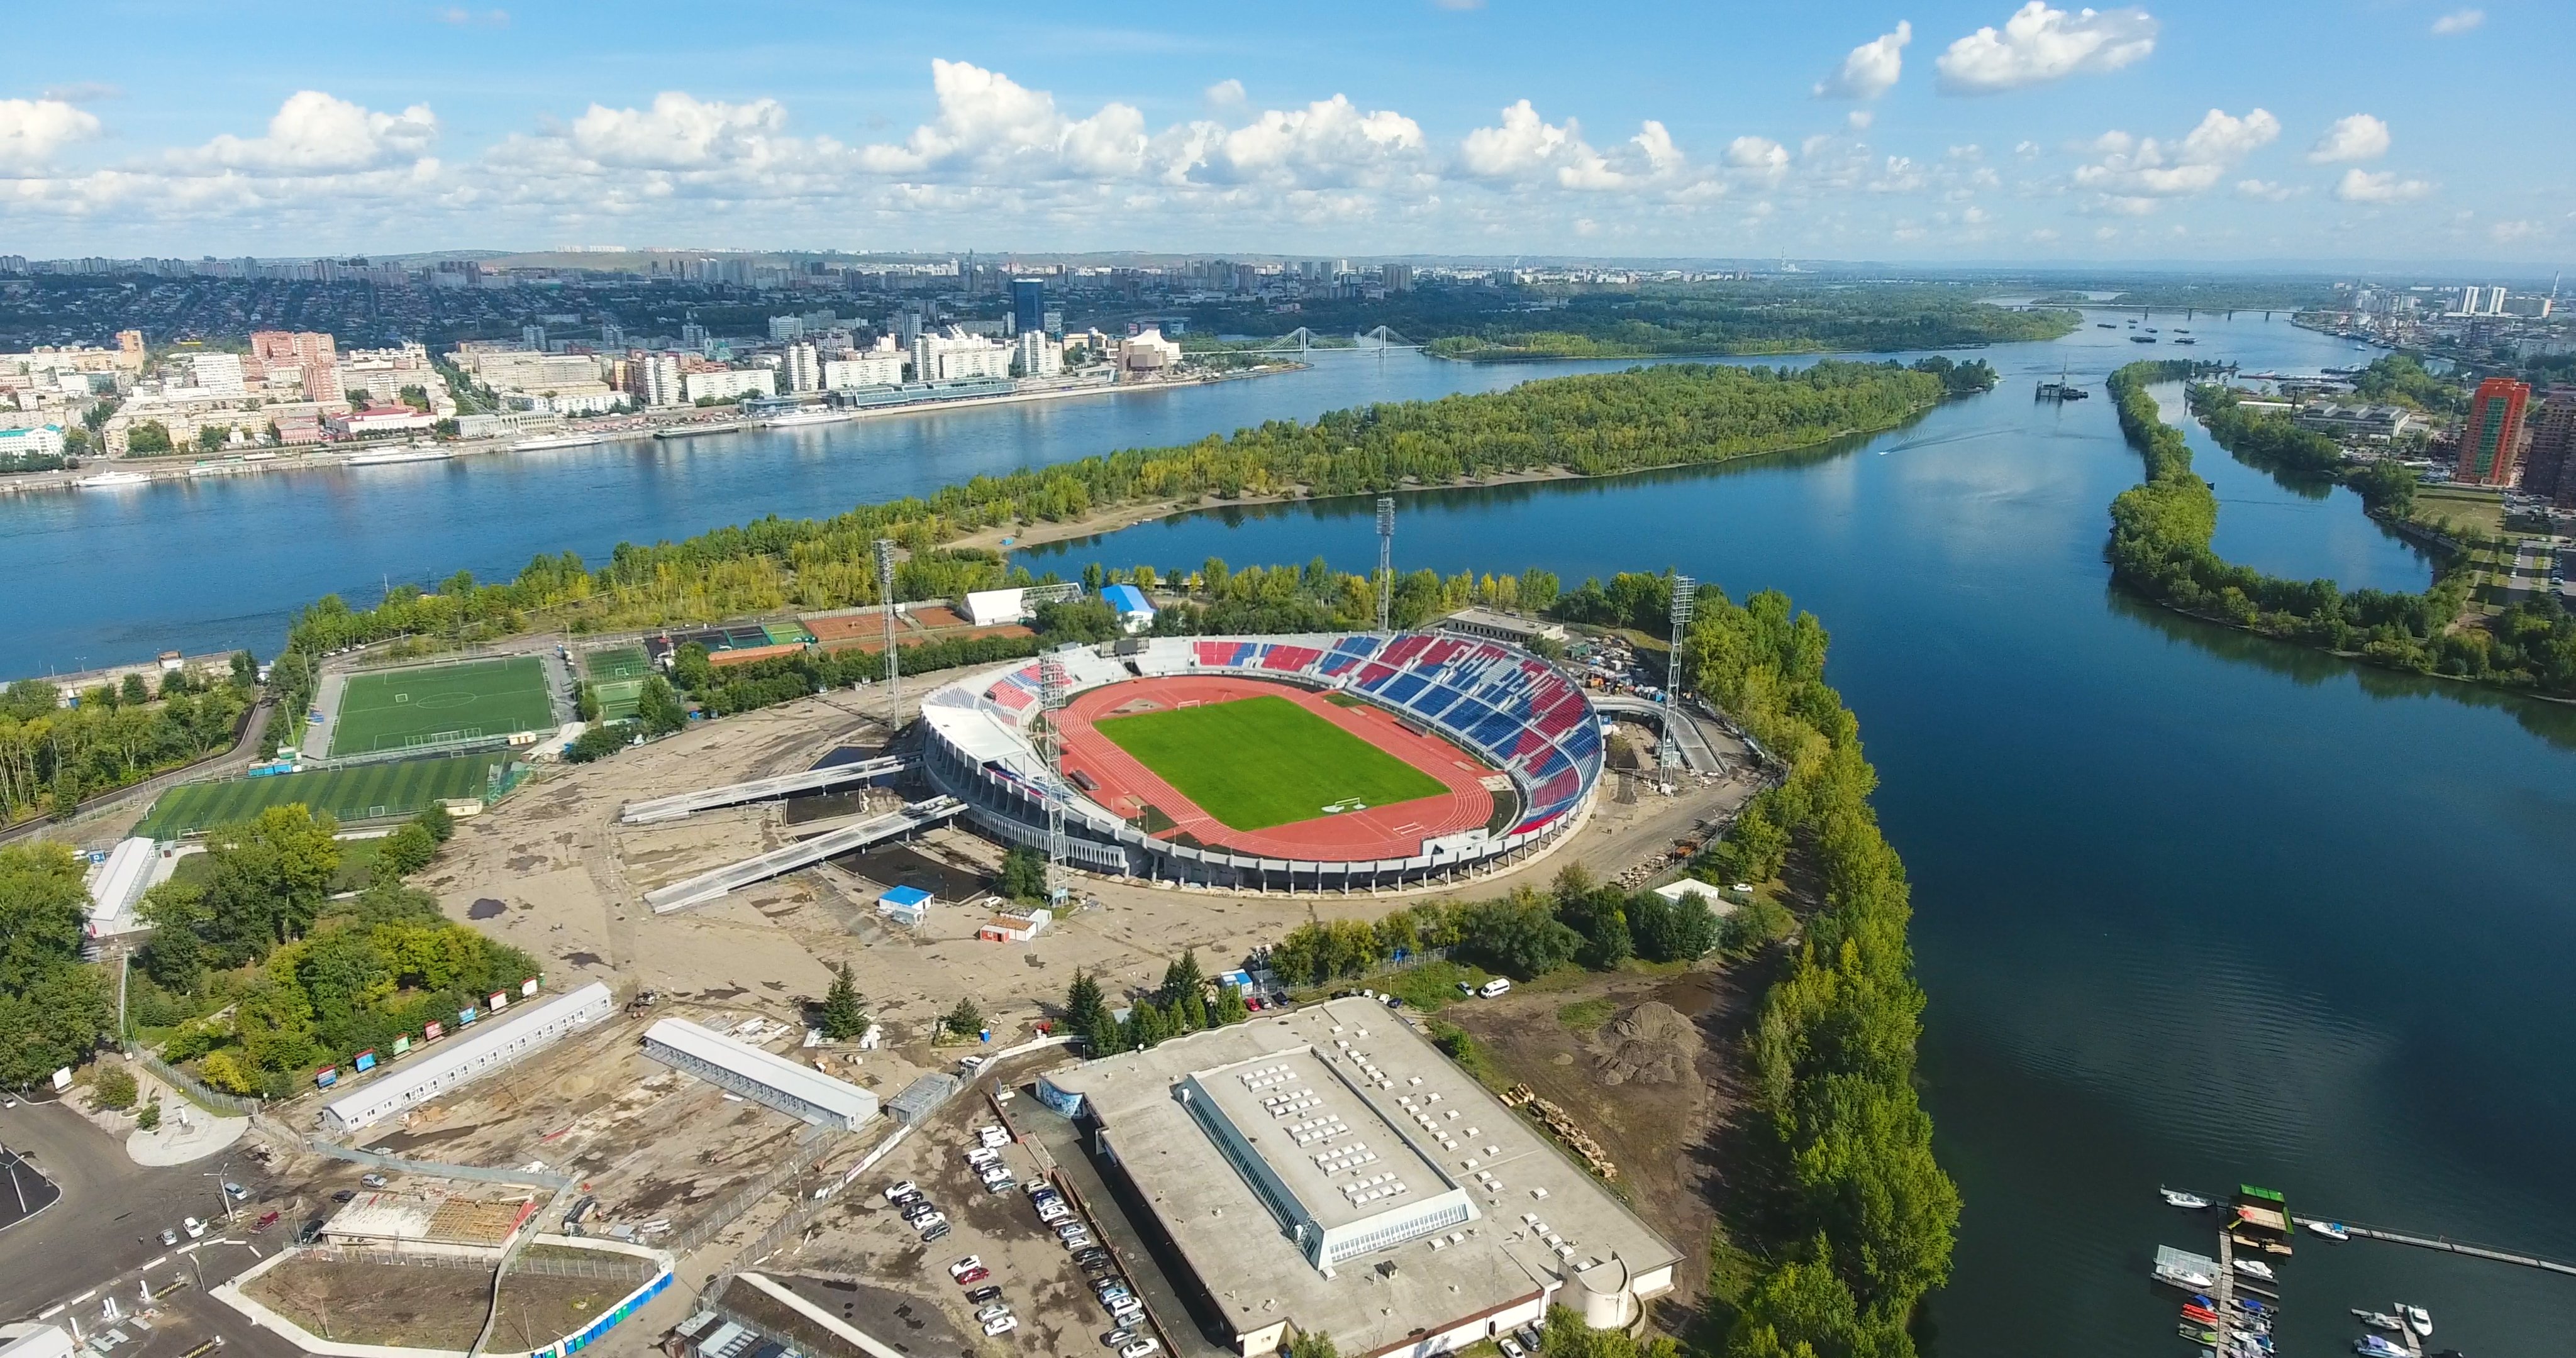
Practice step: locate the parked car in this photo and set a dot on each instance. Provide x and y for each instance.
(983, 1294)
(1495, 988)
(993, 1312)
(344, 1195)
(309, 1232)
(1077, 1242)
(925, 1223)
(936, 1231)
(1116, 1338)
(169, 1235)
(964, 1266)
(1529, 1337)
(973, 1276)
(266, 1220)
(907, 1187)
(1142, 1348)
(196, 1229)
(1001, 1324)
(235, 1191)
(1510, 1346)
(1001, 1185)
(372, 1180)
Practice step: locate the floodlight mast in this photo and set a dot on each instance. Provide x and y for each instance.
(1385, 561)
(1668, 752)
(894, 663)
(1053, 681)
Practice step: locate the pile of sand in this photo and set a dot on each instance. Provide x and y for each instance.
(1652, 1044)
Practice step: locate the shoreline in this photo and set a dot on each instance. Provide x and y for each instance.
(156, 471)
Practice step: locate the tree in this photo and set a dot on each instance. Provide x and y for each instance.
(134, 692)
(115, 1086)
(149, 1117)
(212, 437)
(1083, 1007)
(1105, 1035)
(659, 708)
(1024, 875)
(585, 706)
(964, 1021)
(245, 670)
(224, 1071)
(599, 742)
(1520, 934)
(1230, 1007)
(404, 852)
(42, 906)
(1672, 931)
(434, 819)
(843, 1018)
(148, 438)
(1756, 925)
(1314, 1344)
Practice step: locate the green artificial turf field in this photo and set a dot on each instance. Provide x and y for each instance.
(1259, 762)
(617, 676)
(400, 709)
(398, 788)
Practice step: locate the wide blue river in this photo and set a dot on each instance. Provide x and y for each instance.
(2192, 908)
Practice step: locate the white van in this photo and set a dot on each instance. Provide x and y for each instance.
(1500, 985)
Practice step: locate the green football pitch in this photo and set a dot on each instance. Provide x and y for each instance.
(370, 790)
(434, 704)
(1259, 762)
(617, 677)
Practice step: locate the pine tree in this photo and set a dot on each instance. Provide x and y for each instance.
(1082, 1004)
(843, 1019)
(1106, 1036)
(965, 1020)
(1182, 978)
(1230, 1007)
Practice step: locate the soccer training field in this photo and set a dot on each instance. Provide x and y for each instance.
(391, 789)
(1259, 762)
(617, 676)
(402, 709)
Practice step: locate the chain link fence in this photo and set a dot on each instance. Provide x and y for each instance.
(607, 1267)
(809, 1150)
(195, 1089)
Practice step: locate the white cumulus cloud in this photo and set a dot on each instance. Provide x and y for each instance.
(2458, 21)
(2146, 167)
(2355, 137)
(316, 133)
(1523, 143)
(1329, 140)
(32, 130)
(1871, 69)
(2039, 44)
(985, 117)
(2362, 186)
(680, 132)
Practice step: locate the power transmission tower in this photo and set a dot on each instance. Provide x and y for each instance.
(1385, 561)
(1052, 683)
(894, 663)
(1668, 753)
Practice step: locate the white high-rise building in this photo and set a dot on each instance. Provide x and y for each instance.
(1039, 356)
(786, 327)
(657, 380)
(804, 373)
(876, 368)
(220, 374)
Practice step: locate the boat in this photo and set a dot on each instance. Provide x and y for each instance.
(816, 415)
(2331, 1230)
(2200, 1313)
(2372, 1346)
(2253, 1268)
(2379, 1320)
(2142, 339)
(2189, 1202)
(2200, 1334)
(2104, 325)
(2186, 340)
(544, 441)
(111, 480)
(682, 431)
(2417, 1319)
(392, 456)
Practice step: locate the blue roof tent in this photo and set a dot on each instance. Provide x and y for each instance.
(1128, 602)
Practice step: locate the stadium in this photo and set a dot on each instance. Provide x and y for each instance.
(1332, 762)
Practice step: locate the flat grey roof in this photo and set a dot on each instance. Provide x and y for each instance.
(1320, 1135)
(1510, 1171)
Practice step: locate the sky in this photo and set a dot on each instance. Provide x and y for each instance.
(2322, 132)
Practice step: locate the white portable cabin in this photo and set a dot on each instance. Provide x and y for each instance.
(799, 1091)
(466, 1057)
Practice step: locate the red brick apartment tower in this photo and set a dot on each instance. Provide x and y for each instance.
(2488, 441)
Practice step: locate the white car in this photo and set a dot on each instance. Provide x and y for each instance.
(1001, 1324)
(1142, 1348)
(905, 1189)
(1077, 1242)
(934, 1219)
(196, 1229)
(992, 1313)
(1511, 1347)
(965, 1266)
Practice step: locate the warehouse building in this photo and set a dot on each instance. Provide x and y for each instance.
(1328, 1171)
(469, 1056)
(800, 1092)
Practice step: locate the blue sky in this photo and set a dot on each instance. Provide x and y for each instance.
(2323, 132)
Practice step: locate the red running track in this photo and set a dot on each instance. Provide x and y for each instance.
(1393, 831)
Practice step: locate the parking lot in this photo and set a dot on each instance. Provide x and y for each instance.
(1043, 1283)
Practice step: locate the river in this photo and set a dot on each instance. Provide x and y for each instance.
(2191, 908)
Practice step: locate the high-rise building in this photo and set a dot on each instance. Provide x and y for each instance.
(1039, 356)
(533, 336)
(612, 335)
(2490, 438)
(1398, 277)
(655, 380)
(1028, 305)
(786, 327)
(804, 371)
(2549, 470)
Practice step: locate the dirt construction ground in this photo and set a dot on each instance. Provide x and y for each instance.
(430, 1306)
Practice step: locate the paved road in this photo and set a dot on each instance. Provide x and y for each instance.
(28, 1191)
(112, 1210)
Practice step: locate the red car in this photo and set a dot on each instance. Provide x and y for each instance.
(973, 1276)
(266, 1222)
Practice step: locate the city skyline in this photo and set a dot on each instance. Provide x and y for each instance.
(1947, 133)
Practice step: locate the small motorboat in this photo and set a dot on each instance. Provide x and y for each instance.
(2189, 1202)
(2254, 1268)
(2379, 1320)
(2372, 1346)
(2417, 1319)
(2331, 1230)
(2200, 1334)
